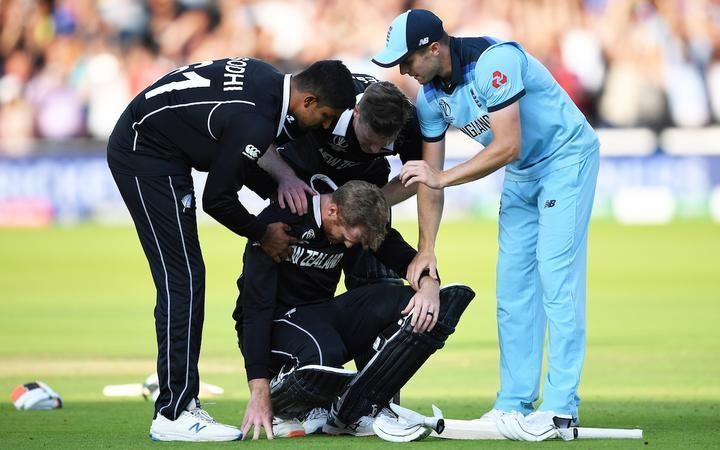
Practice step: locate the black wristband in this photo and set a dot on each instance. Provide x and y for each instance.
(426, 273)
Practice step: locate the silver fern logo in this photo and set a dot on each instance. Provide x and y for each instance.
(187, 202)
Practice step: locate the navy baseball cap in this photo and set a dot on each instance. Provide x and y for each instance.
(411, 30)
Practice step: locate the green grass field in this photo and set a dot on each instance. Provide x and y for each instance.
(77, 313)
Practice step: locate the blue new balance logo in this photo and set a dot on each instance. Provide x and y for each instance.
(197, 427)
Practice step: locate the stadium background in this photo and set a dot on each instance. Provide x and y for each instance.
(74, 287)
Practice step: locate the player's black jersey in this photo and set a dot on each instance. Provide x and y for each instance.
(309, 275)
(336, 151)
(214, 116)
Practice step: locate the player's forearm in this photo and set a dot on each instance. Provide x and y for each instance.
(259, 386)
(487, 161)
(272, 163)
(430, 207)
(226, 209)
(430, 201)
(504, 149)
(395, 192)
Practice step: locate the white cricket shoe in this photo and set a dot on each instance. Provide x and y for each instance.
(289, 428)
(315, 420)
(541, 419)
(492, 416)
(363, 427)
(391, 426)
(193, 424)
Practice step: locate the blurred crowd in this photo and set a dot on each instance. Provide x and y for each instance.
(69, 67)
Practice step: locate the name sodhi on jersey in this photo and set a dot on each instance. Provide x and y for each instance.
(234, 74)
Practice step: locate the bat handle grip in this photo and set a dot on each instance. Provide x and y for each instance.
(436, 423)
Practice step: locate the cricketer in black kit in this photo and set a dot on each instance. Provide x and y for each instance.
(354, 147)
(218, 117)
(287, 313)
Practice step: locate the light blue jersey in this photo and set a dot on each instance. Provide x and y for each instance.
(545, 209)
(488, 75)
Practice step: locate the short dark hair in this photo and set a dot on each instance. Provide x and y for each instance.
(330, 81)
(362, 204)
(384, 108)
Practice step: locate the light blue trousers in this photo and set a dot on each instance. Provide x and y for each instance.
(541, 270)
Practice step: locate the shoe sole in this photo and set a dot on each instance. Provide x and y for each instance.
(183, 438)
(343, 432)
(296, 433)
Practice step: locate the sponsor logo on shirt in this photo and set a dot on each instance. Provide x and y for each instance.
(251, 152)
(499, 79)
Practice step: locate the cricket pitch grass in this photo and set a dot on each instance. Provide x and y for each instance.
(77, 308)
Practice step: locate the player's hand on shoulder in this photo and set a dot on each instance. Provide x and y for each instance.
(292, 192)
(276, 241)
(258, 412)
(419, 171)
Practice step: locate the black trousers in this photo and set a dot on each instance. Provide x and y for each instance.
(163, 209)
(337, 331)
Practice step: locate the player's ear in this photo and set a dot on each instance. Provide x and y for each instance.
(309, 99)
(435, 48)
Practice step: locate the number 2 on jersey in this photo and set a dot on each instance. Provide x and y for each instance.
(193, 81)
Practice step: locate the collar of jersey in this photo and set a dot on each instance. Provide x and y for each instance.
(316, 210)
(285, 103)
(343, 122)
(343, 125)
(456, 69)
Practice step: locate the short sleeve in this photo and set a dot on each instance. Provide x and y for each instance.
(432, 124)
(498, 76)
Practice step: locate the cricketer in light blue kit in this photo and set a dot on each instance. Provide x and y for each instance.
(505, 99)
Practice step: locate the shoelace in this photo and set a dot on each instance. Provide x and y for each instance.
(201, 414)
(316, 413)
(388, 412)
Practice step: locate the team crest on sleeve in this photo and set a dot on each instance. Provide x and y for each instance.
(446, 111)
(251, 152)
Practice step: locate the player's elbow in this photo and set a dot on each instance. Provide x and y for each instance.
(210, 205)
(510, 151)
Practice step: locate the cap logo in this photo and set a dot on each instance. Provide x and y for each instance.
(424, 41)
(387, 37)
